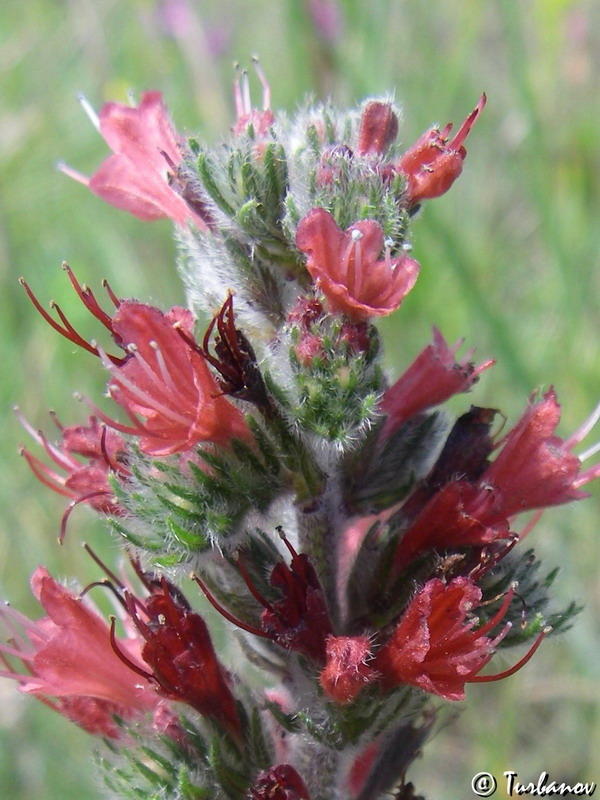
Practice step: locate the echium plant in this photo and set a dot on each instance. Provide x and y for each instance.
(361, 545)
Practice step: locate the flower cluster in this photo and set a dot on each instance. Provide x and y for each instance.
(361, 546)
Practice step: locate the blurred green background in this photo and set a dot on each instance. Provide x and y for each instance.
(510, 261)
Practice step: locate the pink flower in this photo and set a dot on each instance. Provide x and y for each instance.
(104, 452)
(434, 162)
(347, 268)
(433, 377)
(347, 670)
(437, 645)
(69, 656)
(146, 148)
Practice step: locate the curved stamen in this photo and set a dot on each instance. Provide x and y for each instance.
(223, 611)
(266, 98)
(252, 588)
(122, 657)
(113, 297)
(45, 474)
(516, 667)
(83, 499)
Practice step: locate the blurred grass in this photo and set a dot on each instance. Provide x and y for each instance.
(510, 261)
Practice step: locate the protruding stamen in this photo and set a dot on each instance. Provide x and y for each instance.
(246, 99)
(237, 93)
(115, 300)
(73, 504)
(223, 611)
(252, 588)
(97, 560)
(583, 430)
(71, 172)
(122, 657)
(89, 110)
(266, 98)
(516, 667)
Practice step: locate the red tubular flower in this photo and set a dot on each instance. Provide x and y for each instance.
(347, 268)
(279, 783)
(347, 670)
(437, 645)
(68, 655)
(168, 383)
(534, 468)
(433, 377)
(456, 516)
(161, 378)
(179, 652)
(434, 162)
(378, 129)
(136, 178)
(105, 454)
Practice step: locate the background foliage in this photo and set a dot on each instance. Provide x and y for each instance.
(510, 261)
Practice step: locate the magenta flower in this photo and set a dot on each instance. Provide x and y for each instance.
(434, 162)
(433, 377)
(68, 655)
(146, 149)
(347, 268)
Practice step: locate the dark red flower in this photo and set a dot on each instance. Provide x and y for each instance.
(299, 619)
(347, 267)
(435, 161)
(279, 783)
(180, 656)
